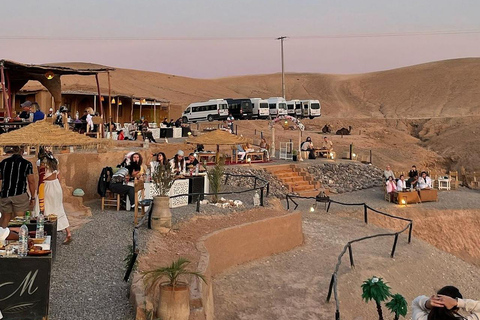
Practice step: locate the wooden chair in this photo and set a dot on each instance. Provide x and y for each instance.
(454, 181)
(111, 199)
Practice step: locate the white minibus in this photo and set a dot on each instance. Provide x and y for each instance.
(277, 106)
(294, 108)
(260, 108)
(311, 108)
(215, 109)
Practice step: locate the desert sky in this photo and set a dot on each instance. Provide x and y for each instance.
(220, 38)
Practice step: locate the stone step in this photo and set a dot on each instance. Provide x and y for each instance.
(278, 168)
(286, 174)
(293, 179)
(303, 188)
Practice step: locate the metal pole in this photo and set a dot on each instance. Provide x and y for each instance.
(394, 245)
(365, 213)
(410, 232)
(350, 253)
(282, 38)
(261, 196)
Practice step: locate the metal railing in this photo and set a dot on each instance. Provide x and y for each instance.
(334, 280)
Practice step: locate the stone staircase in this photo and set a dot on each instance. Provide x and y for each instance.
(296, 179)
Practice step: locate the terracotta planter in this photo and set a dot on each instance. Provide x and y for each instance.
(174, 302)
(161, 215)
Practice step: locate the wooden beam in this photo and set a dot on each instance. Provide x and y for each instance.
(5, 98)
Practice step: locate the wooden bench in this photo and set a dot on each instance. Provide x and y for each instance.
(258, 154)
(321, 152)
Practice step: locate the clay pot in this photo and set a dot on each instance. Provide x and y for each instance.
(174, 302)
(161, 215)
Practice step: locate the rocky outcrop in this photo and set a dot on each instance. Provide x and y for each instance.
(346, 177)
(277, 188)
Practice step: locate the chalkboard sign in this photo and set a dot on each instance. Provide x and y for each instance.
(25, 287)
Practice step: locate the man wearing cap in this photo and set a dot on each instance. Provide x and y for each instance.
(50, 113)
(25, 114)
(15, 171)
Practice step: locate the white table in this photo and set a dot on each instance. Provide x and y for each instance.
(443, 184)
(155, 133)
(180, 186)
(177, 132)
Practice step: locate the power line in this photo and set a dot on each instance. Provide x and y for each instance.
(337, 36)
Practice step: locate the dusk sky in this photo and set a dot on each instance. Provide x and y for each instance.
(219, 38)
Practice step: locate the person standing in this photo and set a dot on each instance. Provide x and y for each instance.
(15, 171)
(53, 194)
(230, 120)
(388, 173)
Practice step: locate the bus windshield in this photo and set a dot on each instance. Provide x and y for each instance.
(282, 106)
(315, 106)
(263, 105)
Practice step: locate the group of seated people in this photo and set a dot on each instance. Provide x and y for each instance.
(394, 184)
(307, 145)
(243, 150)
(132, 168)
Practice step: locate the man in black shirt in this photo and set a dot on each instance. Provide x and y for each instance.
(14, 173)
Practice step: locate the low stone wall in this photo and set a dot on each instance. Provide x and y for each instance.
(236, 245)
(346, 177)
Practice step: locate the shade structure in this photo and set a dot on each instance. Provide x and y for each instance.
(42, 133)
(217, 137)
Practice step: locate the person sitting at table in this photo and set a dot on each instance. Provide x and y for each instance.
(412, 182)
(391, 187)
(264, 148)
(25, 114)
(118, 183)
(178, 123)
(8, 233)
(38, 114)
(200, 148)
(120, 135)
(138, 159)
(165, 122)
(159, 159)
(241, 152)
(225, 127)
(192, 161)
(424, 182)
(388, 173)
(146, 133)
(171, 124)
(401, 183)
(50, 113)
(177, 163)
(413, 172)
(327, 145)
(307, 145)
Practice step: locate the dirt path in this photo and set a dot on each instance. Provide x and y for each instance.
(294, 285)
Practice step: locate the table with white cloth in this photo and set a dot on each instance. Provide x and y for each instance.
(185, 185)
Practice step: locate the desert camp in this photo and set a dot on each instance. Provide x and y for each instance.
(226, 160)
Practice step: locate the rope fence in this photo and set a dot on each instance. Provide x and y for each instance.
(333, 287)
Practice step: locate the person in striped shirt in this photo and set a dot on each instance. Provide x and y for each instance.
(15, 172)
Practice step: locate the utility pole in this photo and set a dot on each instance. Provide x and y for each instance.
(283, 66)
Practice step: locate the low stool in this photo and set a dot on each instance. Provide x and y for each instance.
(111, 199)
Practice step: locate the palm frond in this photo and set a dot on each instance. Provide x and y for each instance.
(398, 305)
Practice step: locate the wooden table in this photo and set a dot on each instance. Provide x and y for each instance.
(322, 152)
(427, 195)
(408, 196)
(259, 154)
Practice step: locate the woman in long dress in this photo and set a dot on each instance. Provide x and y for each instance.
(53, 194)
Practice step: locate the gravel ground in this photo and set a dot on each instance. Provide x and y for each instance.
(463, 198)
(87, 276)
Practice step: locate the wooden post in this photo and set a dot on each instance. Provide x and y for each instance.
(101, 104)
(272, 147)
(140, 115)
(110, 105)
(118, 106)
(155, 111)
(10, 95)
(4, 91)
(300, 146)
(131, 114)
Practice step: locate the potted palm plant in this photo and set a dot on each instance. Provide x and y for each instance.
(175, 292)
(215, 176)
(398, 305)
(377, 290)
(162, 181)
(294, 155)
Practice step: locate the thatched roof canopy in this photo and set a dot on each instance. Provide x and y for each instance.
(42, 133)
(217, 137)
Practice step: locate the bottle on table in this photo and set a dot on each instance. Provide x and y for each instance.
(27, 216)
(40, 226)
(23, 240)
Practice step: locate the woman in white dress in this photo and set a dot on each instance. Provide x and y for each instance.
(54, 195)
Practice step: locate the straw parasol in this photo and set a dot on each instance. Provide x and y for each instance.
(42, 133)
(217, 137)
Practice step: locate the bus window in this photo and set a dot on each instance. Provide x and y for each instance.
(263, 105)
(187, 111)
(224, 106)
(195, 109)
(315, 106)
(272, 105)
